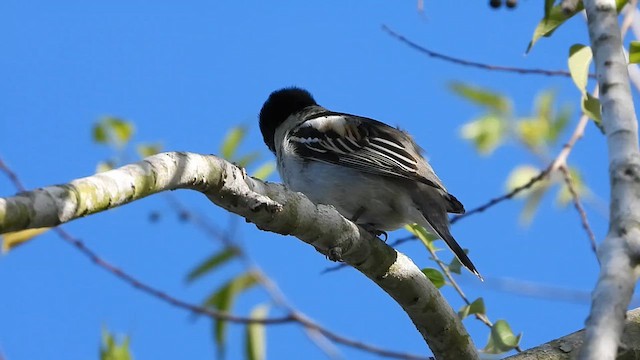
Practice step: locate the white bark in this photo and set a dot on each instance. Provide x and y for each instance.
(271, 207)
(619, 252)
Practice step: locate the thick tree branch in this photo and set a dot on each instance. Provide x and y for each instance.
(567, 347)
(271, 207)
(620, 251)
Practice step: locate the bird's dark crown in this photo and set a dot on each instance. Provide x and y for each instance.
(278, 107)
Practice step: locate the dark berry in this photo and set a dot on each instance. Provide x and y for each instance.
(495, 3)
(512, 3)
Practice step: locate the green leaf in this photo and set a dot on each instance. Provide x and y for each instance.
(634, 52)
(223, 300)
(100, 133)
(548, 4)
(555, 16)
(110, 350)
(455, 266)
(520, 176)
(248, 159)
(592, 108)
(255, 335)
(531, 205)
(579, 62)
(13, 239)
(145, 150)
(551, 21)
(436, 277)
(476, 307)
(231, 141)
(533, 131)
(212, 262)
(121, 130)
(486, 133)
(484, 97)
(501, 339)
(423, 235)
(264, 171)
(558, 124)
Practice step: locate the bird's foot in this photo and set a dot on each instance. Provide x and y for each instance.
(375, 232)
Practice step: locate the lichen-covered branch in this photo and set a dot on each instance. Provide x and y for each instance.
(620, 251)
(271, 207)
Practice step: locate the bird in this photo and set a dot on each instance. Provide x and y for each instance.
(371, 173)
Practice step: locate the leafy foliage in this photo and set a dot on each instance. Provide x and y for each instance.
(502, 338)
(12, 239)
(255, 336)
(111, 350)
(476, 307)
(224, 298)
(435, 276)
(634, 52)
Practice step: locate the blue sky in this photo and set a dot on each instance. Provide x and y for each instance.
(185, 75)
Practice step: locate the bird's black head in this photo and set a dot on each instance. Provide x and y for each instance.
(278, 107)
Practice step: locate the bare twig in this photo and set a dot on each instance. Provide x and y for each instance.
(12, 176)
(504, 197)
(475, 64)
(578, 205)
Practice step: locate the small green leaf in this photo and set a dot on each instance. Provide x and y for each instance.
(248, 159)
(579, 62)
(13, 239)
(423, 235)
(212, 263)
(231, 142)
(491, 100)
(486, 133)
(436, 277)
(501, 339)
(256, 343)
(533, 131)
(531, 205)
(592, 108)
(100, 133)
(223, 300)
(520, 176)
(553, 18)
(110, 350)
(558, 124)
(634, 52)
(264, 171)
(455, 266)
(476, 307)
(121, 130)
(145, 150)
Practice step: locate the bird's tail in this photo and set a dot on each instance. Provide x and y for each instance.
(433, 207)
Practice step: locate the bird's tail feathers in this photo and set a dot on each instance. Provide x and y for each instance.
(434, 212)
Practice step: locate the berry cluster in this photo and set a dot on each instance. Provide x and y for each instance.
(498, 3)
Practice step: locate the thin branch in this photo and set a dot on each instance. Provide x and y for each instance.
(578, 205)
(13, 177)
(475, 64)
(131, 280)
(507, 196)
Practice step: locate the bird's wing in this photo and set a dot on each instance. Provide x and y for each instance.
(363, 144)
